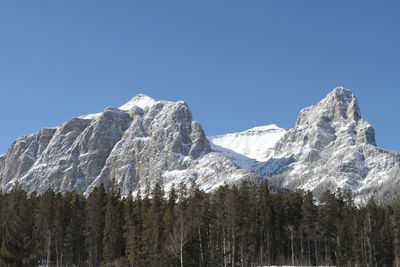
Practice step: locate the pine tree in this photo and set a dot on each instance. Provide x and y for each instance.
(128, 224)
(265, 223)
(168, 221)
(345, 229)
(94, 225)
(153, 226)
(113, 226)
(44, 227)
(244, 224)
(386, 235)
(17, 243)
(196, 210)
(309, 223)
(59, 229)
(372, 231)
(74, 241)
(327, 225)
(396, 229)
(292, 203)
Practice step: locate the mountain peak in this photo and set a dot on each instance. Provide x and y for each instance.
(140, 100)
(342, 92)
(340, 96)
(339, 106)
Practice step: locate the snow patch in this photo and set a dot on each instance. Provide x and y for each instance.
(141, 101)
(256, 143)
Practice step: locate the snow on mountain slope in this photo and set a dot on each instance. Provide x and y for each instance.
(330, 147)
(136, 144)
(145, 140)
(256, 143)
(248, 148)
(142, 101)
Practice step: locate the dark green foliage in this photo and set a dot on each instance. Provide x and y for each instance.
(243, 225)
(94, 225)
(74, 253)
(113, 242)
(17, 243)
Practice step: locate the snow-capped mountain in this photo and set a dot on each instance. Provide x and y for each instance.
(330, 147)
(145, 141)
(138, 143)
(249, 148)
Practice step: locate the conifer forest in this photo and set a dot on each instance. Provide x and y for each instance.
(246, 225)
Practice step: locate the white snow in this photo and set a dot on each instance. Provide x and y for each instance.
(256, 143)
(141, 101)
(90, 116)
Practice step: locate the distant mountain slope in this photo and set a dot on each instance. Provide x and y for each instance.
(249, 148)
(256, 143)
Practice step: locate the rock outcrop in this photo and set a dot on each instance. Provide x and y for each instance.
(145, 141)
(141, 142)
(331, 147)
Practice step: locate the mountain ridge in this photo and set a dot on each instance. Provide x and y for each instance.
(144, 141)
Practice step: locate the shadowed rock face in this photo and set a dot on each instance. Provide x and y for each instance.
(139, 143)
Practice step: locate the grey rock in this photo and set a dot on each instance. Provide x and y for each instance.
(23, 153)
(140, 143)
(334, 148)
(145, 141)
(76, 154)
(161, 138)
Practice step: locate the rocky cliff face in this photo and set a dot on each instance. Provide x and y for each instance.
(160, 138)
(22, 154)
(141, 142)
(145, 141)
(331, 147)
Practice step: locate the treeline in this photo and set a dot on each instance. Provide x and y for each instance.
(234, 226)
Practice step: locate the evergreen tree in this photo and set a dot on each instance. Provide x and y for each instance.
(74, 219)
(44, 231)
(113, 244)
(345, 229)
(168, 222)
(327, 225)
(292, 203)
(17, 243)
(153, 226)
(309, 223)
(128, 224)
(265, 224)
(396, 233)
(94, 225)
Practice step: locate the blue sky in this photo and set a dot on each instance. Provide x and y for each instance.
(238, 64)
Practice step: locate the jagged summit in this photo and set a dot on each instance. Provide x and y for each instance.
(339, 107)
(136, 144)
(330, 147)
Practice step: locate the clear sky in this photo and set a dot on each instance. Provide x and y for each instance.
(238, 64)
